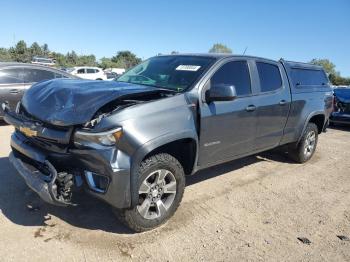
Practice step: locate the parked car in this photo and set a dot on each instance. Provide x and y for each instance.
(43, 61)
(91, 73)
(16, 78)
(341, 113)
(111, 76)
(131, 142)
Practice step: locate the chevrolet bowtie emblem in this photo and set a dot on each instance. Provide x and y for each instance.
(28, 132)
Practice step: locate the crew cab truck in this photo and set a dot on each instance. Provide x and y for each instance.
(132, 142)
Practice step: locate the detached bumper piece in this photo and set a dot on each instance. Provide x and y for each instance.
(340, 118)
(53, 188)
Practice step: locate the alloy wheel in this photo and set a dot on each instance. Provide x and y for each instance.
(310, 143)
(156, 194)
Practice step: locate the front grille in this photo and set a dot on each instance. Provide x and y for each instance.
(28, 117)
(48, 144)
(39, 133)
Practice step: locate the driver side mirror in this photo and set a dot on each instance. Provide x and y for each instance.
(220, 92)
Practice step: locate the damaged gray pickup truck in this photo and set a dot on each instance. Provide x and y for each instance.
(131, 142)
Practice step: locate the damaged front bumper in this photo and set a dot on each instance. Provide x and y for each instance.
(40, 183)
(104, 172)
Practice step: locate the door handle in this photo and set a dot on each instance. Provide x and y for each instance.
(250, 108)
(14, 91)
(282, 102)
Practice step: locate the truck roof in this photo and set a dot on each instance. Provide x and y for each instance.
(218, 55)
(291, 64)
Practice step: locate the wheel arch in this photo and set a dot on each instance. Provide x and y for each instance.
(318, 118)
(183, 146)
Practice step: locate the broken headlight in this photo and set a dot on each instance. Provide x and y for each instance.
(107, 138)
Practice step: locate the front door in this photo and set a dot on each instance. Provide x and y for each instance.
(228, 127)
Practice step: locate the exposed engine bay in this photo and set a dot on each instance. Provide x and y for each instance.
(123, 102)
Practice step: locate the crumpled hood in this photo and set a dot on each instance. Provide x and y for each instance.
(342, 94)
(66, 102)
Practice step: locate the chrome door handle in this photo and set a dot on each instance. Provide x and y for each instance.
(14, 91)
(282, 102)
(250, 108)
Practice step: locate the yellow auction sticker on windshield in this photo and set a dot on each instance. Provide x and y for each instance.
(188, 68)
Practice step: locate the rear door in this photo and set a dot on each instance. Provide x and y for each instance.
(91, 74)
(227, 128)
(273, 101)
(11, 86)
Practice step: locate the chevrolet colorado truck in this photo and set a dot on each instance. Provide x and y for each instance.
(132, 142)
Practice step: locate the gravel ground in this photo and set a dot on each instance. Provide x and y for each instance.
(255, 208)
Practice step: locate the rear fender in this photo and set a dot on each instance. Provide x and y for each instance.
(308, 120)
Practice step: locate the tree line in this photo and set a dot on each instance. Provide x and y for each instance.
(123, 59)
(22, 53)
(333, 75)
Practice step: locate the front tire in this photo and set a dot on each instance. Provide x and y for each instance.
(305, 149)
(160, 189)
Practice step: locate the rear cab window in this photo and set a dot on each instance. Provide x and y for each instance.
(303, 77)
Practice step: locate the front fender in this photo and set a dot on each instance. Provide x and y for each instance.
(147, 148)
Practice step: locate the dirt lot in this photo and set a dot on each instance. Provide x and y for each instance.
(251, 209)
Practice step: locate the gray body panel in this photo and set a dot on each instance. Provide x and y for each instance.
(220, 130)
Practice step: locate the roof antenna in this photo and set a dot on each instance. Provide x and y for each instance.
(245, 50)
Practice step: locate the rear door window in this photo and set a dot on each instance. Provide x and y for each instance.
(270, 76)
(234, 73)
(37, 75)
(308, 77)
(90, 71)
(81, 71)
(11, 76)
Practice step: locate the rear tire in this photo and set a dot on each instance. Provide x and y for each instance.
(160, 189)
(305, 149)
